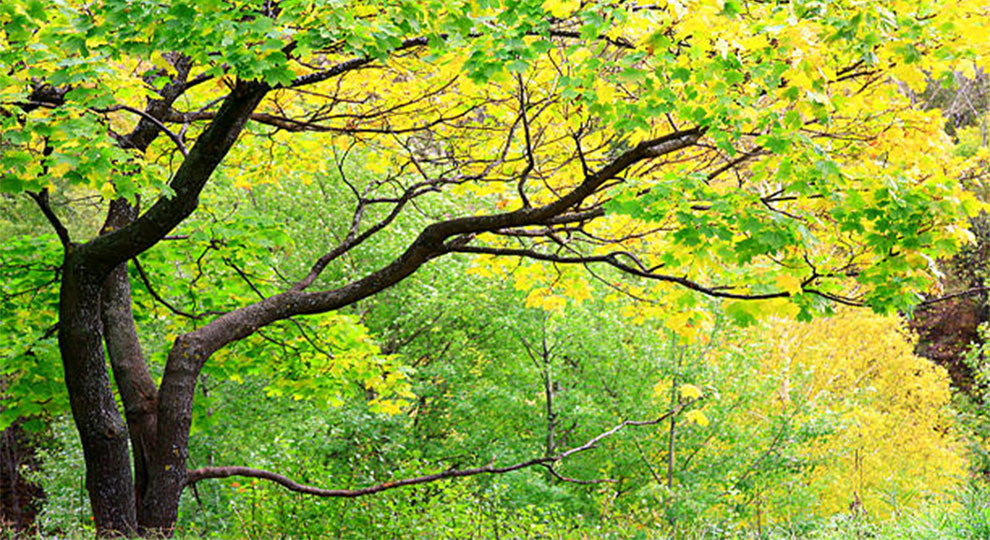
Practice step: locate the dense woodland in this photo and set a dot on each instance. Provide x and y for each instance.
(494, 269)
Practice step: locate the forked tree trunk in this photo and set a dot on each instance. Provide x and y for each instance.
(134, 382)
(95, 307)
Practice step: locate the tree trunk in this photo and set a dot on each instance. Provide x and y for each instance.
(134, 382)
(101, 428)
(167, 472)
(137, 389)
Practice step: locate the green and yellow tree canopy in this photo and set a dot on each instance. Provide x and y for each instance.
(772, 154)
(738, 149)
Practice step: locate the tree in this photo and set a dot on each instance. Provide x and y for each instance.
(869, 446)
(771, 162)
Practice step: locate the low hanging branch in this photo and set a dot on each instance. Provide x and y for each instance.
(204, 473)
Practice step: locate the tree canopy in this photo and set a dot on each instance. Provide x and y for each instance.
(770, 154)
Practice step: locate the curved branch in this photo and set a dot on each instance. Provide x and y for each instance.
(44, 204)
(432, 242)
(226, 472)
(204, 473)
(194, 348)
(356, 63)
(204, 157)
(171, 135)
(350, 65)
(354, 239)
(122, 244)
(293, 125)
(157, 297)
(612, 259)
(926, 304)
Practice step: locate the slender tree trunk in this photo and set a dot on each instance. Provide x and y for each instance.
(101, 428)
(95, 305)
(137, 388)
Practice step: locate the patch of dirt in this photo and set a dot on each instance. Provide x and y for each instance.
(946, 330)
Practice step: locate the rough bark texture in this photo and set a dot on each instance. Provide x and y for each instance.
(95, 306)
(167, 475)
(101, 428)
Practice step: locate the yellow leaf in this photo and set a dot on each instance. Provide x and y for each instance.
(386, 406)
(789, 283)
(561, 8)
(690, 391)
(662, 389)
(604, 92)
(546, 299)
(107, 190)
(242, 182)
(696, 417)
(377, 166)
(160, 62)
(688, 325)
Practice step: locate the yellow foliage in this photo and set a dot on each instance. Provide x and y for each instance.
(561, 8)
(895, 436)
(690, 325)
(789, 283)
(690, 391)
(661, 391)
(696, 417)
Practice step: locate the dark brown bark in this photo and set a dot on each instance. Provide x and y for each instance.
(163, 420)
(107, 251)
(167, 475)
(137, 389)
(83, 317)
(101, 428)
(84, 309)
(19, 499)
(134, 383)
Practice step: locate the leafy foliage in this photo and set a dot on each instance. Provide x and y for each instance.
(33, 383)
(419, 235)
(894, 443)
